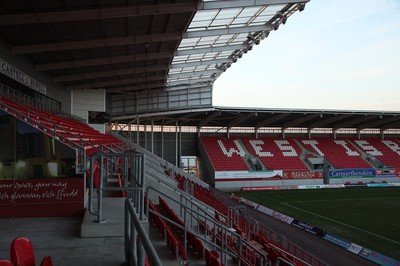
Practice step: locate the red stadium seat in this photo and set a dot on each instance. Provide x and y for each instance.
(47, 261)
(225, 154)
(6, 263)
(341, 153)
(387, 151)
(21, 252)
(276, 153)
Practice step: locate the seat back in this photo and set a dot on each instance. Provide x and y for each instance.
(6, 263)
(47, 261)
(21, 252)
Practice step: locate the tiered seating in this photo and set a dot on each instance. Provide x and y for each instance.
(340, 152)
(193, 241)
(284, 154)
(275, 251)
(387, 151)
(270, 248)
(173, 243)
(225, 154)
(175, 234)
(275, 153)
(65, 129)
(207, 197)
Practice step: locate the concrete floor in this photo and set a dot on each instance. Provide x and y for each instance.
(60, 238)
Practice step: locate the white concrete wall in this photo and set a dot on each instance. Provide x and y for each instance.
(84, 101)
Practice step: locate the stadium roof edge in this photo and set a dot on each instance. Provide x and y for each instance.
(262, 117)
(196, 40)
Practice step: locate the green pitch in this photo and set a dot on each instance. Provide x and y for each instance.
(369, 217)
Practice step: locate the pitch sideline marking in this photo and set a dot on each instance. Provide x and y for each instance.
(335, 221)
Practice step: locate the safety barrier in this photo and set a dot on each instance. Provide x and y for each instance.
(129, 170)
(137, 242)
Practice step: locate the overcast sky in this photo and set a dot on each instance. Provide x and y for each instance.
(337, 54)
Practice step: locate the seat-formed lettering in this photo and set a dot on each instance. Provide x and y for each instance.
(313, 143)
(256, 144)
(392, 145)
(239, 151)
(286, 148)
(368, 148)
(349, 151)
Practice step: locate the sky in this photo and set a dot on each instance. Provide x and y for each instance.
(336, 54)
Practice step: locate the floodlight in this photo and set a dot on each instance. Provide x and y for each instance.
(250, 47)
(302, 6)
(257, 41)
(250, 36)
(240, 54)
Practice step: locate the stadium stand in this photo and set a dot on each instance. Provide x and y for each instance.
(137, 75)
(286, 154)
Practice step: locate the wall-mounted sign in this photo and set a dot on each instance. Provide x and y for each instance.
(54, 197)
(21, 77)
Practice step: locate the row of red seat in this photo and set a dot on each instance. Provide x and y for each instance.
(275, 153)
(192, 240)
(269, 247)
(278, 154)
(224, 154)
(69, 129)
(23, 254)
(211, 257)
(173, 243)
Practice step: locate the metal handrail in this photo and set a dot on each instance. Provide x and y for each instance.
(188, 210)
(133, 181)
(54, 127)
(137, 240)
(31, 101)
(42, 128)
(262, 227)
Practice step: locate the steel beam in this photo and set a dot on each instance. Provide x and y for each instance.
(103, 61)
(111, 73)
(97, 13)
(116, 82)
(107, 42)
(245, 3)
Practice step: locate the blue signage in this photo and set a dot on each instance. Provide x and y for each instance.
(353, 173)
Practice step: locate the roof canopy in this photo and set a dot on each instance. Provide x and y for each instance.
(126, 46)
(282, 118)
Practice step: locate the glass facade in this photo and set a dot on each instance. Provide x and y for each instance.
(27, 153)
